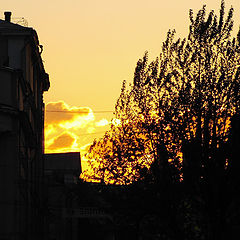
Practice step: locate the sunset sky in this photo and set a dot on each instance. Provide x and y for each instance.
(89, 48)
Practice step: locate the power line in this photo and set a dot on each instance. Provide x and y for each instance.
(82, 112)
(85, 134)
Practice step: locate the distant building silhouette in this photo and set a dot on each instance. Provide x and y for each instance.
(65, 168)
(22, 83)
(62, 172)
(75, 210)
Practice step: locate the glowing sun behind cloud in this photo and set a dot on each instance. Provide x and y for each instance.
(71, 128)
(68, 117)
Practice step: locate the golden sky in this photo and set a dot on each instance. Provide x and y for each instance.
(70, 128)
(90, 47)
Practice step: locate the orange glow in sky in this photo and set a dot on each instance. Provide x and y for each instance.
(72, 128)
(89, 48)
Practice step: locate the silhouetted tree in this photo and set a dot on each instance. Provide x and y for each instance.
(122, 153)
(208, 100)
(175, 120)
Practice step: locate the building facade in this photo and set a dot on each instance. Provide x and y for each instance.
(62, 172)
(75, 209)
(23, 81)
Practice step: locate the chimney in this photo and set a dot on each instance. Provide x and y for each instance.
(7, 16)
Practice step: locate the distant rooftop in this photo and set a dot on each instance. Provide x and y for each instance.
(63, 161)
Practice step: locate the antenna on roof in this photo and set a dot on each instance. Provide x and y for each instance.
(21, 21)
(17, 20)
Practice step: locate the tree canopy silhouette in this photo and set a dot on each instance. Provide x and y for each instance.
(174, 121)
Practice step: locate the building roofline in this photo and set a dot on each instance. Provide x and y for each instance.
(12, 29)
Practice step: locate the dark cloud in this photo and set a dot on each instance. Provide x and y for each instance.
(65, 140)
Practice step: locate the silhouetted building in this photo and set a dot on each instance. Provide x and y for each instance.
(64, 168)
(22, 83)
(75, 209)
(62, 172)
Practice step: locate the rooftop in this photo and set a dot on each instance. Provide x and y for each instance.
(63, 161)
(6, 25)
